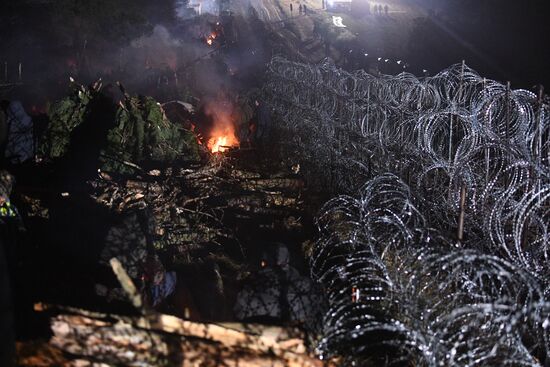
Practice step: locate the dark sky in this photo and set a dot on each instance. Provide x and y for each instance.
(508, 40)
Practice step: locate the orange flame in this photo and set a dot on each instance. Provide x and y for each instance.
(210, 39)
(222, 135)
(221, 142)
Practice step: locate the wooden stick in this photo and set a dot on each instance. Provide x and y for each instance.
(538, 133)
(508, 91)
(126, 283)
(462, 213)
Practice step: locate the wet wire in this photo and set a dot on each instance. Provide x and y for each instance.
(435, 250)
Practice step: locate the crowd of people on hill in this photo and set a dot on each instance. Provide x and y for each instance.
(379, 9)
(302, 9)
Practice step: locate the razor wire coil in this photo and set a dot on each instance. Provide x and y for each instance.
(414, 160)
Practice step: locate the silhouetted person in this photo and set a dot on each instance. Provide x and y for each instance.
(386, 9)
(291, 9)
(305, 9)
(300, 9)
(260, 127)
(89, 138)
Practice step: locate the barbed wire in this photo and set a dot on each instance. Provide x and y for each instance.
(436, 252)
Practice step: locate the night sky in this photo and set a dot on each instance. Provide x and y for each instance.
(506, 40)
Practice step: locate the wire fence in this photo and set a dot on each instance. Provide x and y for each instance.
(436, 252)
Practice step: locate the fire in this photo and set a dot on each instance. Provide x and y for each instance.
(222, 142)
(222, 114)
(210, 39)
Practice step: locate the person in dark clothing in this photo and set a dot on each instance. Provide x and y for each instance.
(260, 125)
(304, 9)
(386, 9)
(291, 9)
(300, 9)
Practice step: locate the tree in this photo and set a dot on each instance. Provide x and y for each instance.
(107, 21)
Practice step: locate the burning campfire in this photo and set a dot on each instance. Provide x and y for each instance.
(217, 31)
(210, 39)
(222, 141)
(222, 133)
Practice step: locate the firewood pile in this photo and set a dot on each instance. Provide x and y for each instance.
(189, 204)
(188, 207)
(163, 340)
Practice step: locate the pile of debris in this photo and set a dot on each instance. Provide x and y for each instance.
(207, 237)
(153, 339)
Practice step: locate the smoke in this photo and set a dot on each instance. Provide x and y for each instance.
(222, 115)
(160, 37)
(183, 8)
(172, 62)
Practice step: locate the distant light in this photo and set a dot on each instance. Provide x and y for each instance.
(386, 60)
(366, 55)
(379, 58)
(398, 62)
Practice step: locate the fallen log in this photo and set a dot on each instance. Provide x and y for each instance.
(157, 339)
